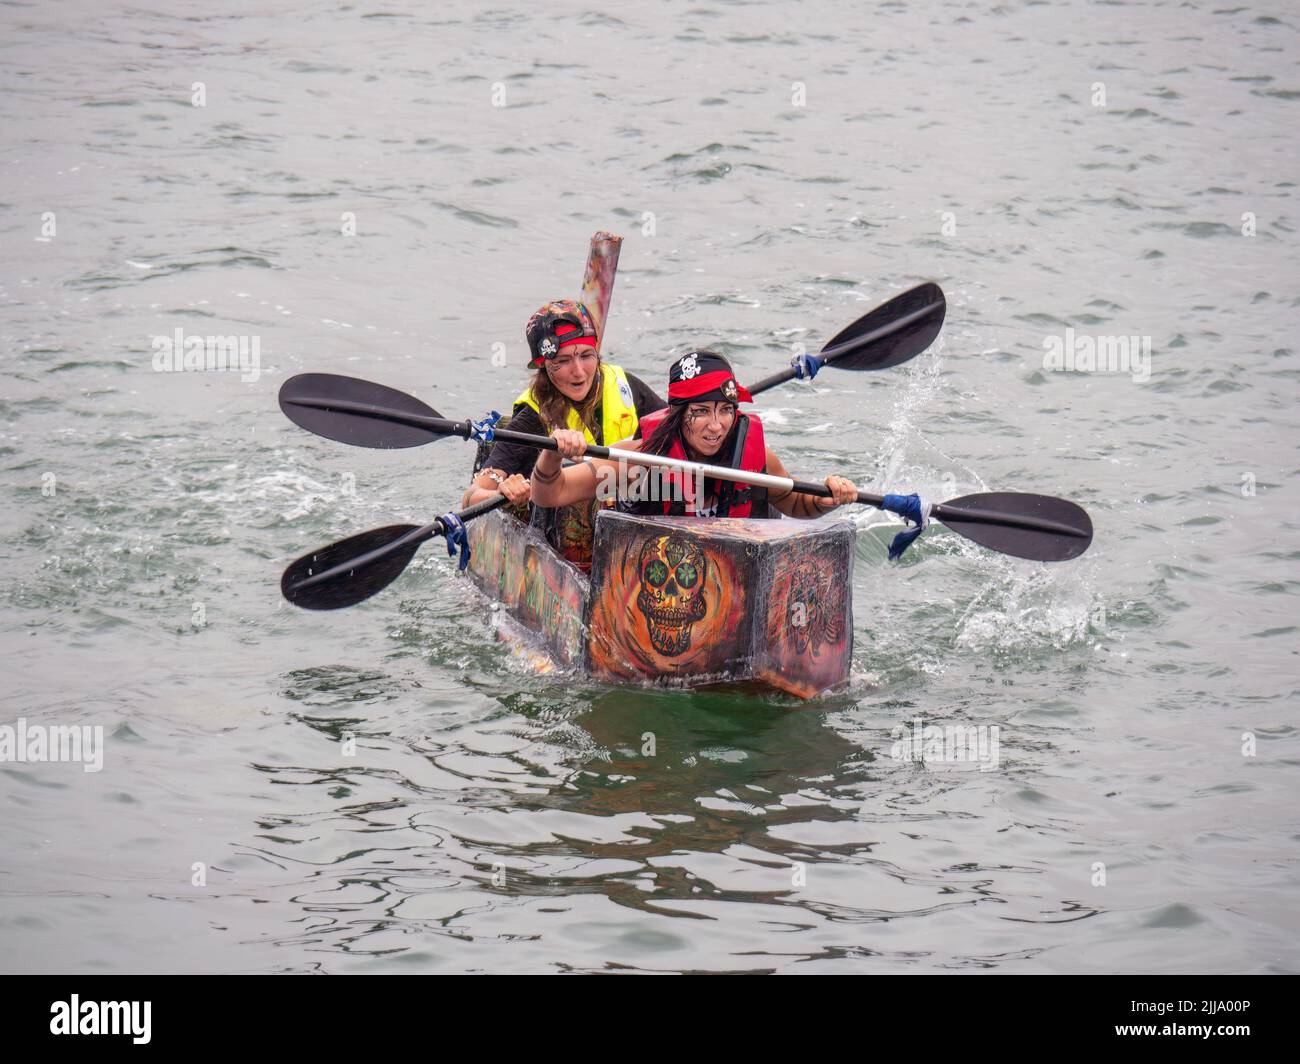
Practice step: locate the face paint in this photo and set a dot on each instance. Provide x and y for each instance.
(707, 425)
(725, 412)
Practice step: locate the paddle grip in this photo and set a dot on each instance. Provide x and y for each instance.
(808, 487)
(546, 443)
(479, 508)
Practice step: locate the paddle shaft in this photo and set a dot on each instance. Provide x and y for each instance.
(465, 430)
(418, 535)
(830, 356)
(806, 487)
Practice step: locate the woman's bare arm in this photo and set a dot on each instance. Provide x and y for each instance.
(485, 485)
(578, 483)
(797, 504)
(571, 485)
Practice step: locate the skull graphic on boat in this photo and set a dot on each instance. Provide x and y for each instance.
(672, 570)
(814, 608)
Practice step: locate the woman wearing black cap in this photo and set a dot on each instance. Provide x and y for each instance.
(573, 389)
(701, 424)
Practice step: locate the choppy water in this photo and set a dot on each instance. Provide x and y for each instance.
(957, 142)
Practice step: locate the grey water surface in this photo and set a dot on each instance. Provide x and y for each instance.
(387, 191)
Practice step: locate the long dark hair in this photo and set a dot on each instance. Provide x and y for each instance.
(554, 405)
(670, 430)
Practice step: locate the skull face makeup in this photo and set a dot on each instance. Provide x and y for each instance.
(672, 570)
(814, 608)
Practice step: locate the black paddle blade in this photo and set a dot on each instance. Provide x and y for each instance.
(351, 570)
(892, 333)
(306, 401)
(1038, 527)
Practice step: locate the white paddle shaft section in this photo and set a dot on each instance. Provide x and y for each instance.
(740, 476)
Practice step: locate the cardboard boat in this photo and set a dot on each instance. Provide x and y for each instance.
(682, 601)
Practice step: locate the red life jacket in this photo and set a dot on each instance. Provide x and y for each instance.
(734, 500)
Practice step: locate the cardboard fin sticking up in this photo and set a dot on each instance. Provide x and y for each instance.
(598, 281)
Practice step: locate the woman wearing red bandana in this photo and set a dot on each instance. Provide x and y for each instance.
(573, 391)
(703, 424)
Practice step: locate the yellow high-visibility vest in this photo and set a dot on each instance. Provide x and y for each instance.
(618, 420)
